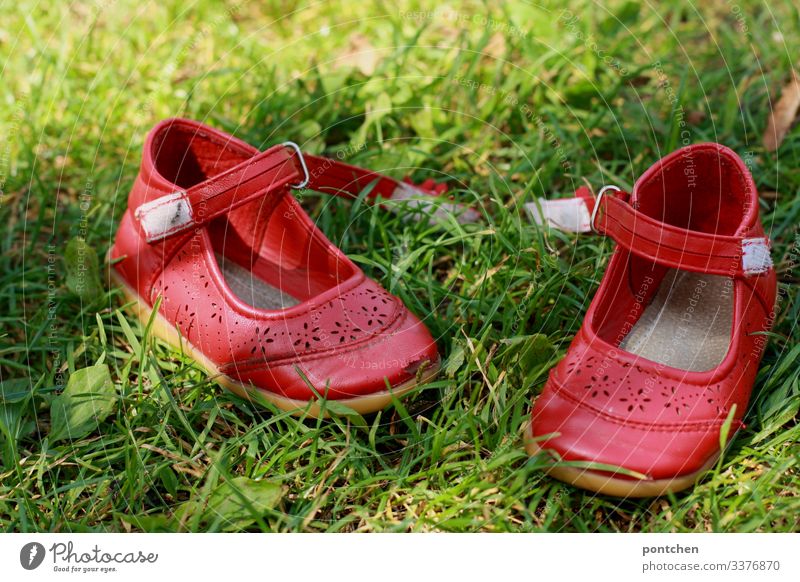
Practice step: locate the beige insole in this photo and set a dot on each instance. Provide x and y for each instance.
(688, 323)
(251, 289)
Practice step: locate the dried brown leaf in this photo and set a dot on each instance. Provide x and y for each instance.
(783, 114)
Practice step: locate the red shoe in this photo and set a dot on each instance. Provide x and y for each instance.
(673, 338)
(250, 287)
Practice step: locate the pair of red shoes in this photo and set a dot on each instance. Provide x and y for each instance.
(252, 289)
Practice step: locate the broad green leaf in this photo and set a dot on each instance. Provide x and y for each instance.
(14, 390)
(169, 480)
(240, 500)
(455, 361)
(83, 270)
(87, 400)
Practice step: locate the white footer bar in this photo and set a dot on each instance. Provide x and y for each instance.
(388, 557)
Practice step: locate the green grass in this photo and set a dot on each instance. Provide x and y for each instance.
(516, 103)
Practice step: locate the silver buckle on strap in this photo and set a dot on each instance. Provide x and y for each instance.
(597, 200)
(299, 152)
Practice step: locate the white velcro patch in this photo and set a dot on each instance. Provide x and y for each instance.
(164, 216)
(755, 256)
(437, 210)
(568, 214)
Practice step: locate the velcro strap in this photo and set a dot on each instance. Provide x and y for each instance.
(650, 238)
(276, 169)
(272, 170)
(568, 214)
(676, 247)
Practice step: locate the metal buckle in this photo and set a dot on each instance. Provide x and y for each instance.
(299, 152)
(597, 200)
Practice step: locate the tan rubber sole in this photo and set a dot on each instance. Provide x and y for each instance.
(615, 486)
(167, 332)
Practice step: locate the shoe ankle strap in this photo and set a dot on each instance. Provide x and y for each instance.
(276, 169)
(612, 214)
(677, 247)
(183, 210)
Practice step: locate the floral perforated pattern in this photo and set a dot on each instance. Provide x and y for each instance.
(631, 391)
(348, 319)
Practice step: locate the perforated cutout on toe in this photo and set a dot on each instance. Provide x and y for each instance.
(637, 392)
(343, 321)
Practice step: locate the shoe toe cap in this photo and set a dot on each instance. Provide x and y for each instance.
(660, 451)
(389, 360)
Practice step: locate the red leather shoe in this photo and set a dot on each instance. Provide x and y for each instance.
(672, 340)
(250, 287)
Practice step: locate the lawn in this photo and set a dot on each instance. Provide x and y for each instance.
(505, 102)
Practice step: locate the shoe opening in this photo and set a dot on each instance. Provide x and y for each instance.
(272, 262)
(704, 188)
(186, 154)
(673, 317)
(269, 252)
